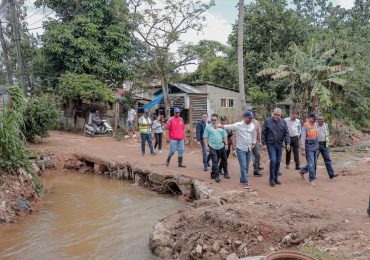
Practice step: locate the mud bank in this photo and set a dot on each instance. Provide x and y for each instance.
(17, 194)
(148, 178)
(243, 225)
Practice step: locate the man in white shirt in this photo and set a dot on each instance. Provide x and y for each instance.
(295, 129)
(246, 139)
(131, 115)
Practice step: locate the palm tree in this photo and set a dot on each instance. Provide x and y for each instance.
(240, 55)
(311, 76)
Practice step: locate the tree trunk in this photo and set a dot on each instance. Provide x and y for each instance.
(166, 97)
(303, 113)
(240, 56)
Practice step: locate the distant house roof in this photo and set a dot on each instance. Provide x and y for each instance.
(119, 92)
(185, 88)
(211, 84)
(3, 90)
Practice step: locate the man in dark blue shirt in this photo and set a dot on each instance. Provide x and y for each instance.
(274, 133)
(201, 126)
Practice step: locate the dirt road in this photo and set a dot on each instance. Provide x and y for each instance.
(345, 198)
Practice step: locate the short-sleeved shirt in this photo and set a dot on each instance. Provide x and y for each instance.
(145, 129)
(131, 115)
(157, 127)
(215, 137)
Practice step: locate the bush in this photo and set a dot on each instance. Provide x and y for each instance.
(41, 115)
(13, 151)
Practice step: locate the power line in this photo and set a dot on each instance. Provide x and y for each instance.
(37, 12)
(30, 29)
(41, 18)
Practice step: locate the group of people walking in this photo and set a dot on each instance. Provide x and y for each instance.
(245, 139)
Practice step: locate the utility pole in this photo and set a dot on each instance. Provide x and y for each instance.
(8, 66)
(17, 41)
(241, 56)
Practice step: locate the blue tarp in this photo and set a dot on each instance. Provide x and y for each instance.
(154, 102)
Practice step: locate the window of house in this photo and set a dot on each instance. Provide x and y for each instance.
(231, 102)
(223, 102)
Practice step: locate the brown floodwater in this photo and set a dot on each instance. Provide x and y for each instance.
(87, 217)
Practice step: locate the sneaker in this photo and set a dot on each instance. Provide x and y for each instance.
(227, 176)
(298, 168)
(143, 154)
(205, 168)
(280, 173)
(245, 185)
(277, 182)
(333, 176)
(257, 174)
(302, 175)
(272, 183)
(127, 137)
(153, 154)
(218, 180)
(134, 135)
(221, 172)
(287, 166)
(312, 183)
(160, 151)
(261, 168)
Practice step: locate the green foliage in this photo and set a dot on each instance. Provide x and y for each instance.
(88, 37)
(13, 151)
(83, 87)
(264, 101)
(41, 115)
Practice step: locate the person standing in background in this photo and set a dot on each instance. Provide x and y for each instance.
(295, 129)
(131, 115)
(324, 139)
(201, 126)
(257, 148)
(176, 134)
(274, 134)
(158, 128)
(145, 126)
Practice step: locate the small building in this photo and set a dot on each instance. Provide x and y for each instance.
(222, 100)
(191, 100)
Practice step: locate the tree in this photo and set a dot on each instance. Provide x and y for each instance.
(310, 74)
(158, 29)
(86, 38)
(240, 55)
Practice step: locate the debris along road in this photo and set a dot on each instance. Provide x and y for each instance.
(346, 195)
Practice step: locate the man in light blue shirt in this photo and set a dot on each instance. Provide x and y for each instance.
(215, 139)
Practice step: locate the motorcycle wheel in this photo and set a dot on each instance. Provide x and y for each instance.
(110, 133)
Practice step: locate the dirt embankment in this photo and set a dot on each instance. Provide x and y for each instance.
(244, 225)
(17, 193)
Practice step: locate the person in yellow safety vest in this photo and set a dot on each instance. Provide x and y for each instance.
(310, 144)
(145, 127)
(323, 136)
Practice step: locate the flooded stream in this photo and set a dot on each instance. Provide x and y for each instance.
(87, 217)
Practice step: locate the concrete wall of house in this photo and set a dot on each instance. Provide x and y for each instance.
(215, 95)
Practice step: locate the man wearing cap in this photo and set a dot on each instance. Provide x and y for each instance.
(145, 126)
(274, 134)
(310, 144)
(246, 139)
(176, 133)
(323, 135)
(215, 140)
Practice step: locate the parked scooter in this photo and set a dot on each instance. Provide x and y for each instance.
(103, 129)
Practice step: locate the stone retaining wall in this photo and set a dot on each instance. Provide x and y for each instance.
(162, 183)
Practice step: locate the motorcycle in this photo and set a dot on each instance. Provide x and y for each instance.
(103, 129)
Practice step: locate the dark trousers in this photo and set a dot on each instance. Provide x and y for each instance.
(275, 153)
(326, 155)
(294, 145)
(158, 141)
(144, 139)
(257, 158)
(223, 163)
(216, 156)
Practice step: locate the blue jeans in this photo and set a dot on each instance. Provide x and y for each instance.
(204, 153)
(326, 155)
(275, 154)
(176, 145)
(311, 157)
(244, 159)
(144, 138)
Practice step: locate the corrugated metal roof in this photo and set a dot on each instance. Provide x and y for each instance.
(188, 89)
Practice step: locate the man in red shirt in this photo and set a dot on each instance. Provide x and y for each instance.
(176, 132)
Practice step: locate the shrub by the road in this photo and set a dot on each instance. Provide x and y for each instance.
(41, 115)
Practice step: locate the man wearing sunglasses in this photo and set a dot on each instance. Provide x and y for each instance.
(274, 134)
(215, 140)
